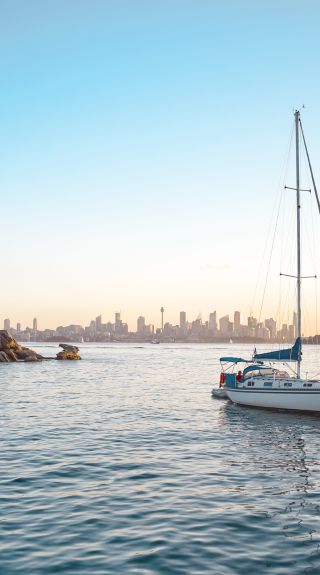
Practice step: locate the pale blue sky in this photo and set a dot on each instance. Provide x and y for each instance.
(137, 140)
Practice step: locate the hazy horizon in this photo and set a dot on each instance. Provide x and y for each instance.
(143, 149)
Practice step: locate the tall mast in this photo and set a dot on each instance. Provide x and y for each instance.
(297, 118)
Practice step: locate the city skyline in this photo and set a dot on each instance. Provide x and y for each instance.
(214, 327)
(143, 148)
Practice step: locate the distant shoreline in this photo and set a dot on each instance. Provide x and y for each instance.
(312, 340)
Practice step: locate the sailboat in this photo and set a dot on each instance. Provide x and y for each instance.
(262, 383)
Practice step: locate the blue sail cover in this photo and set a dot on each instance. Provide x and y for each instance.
(234, 359)
(291, 354)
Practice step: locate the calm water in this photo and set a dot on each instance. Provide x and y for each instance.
(123, 463)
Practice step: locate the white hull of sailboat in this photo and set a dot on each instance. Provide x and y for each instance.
(301, 400)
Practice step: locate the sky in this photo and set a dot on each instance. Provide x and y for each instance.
(142, 146)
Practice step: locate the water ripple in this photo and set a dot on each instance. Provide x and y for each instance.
(124, 464)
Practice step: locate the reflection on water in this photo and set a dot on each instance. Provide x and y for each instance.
(282, 446)
(123, 463)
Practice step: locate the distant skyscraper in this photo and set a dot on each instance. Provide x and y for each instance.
(271, 324)
(291, 332)
(295, 323)
(162, 311)
(262, 332)
(35, 324)
(6, 324)
(141, 324)
(213, 321)
(252, 322)
(98, 322)
(236, 322)
(183, 320)
(18, 327)
(284, 332)
(118, 326)
(196, 326)
(225, 325)
(149, 329)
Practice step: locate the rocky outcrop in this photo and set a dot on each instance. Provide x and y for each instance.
(68, 355)
(10, 350)
(3, 357)
(69, 352)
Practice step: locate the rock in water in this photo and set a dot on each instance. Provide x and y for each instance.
(10, 350)
(3, 357)
(68, 354)
(69, 348)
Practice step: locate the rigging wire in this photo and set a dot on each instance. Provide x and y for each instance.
(279, 301)
(284, 239)
(310, 234)
(288, 303)
(310, 167)
(307, 322)
(285, 286)
(268, 268)
(286, 290)
(316, 298)
(282, 177)
(311, 246)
